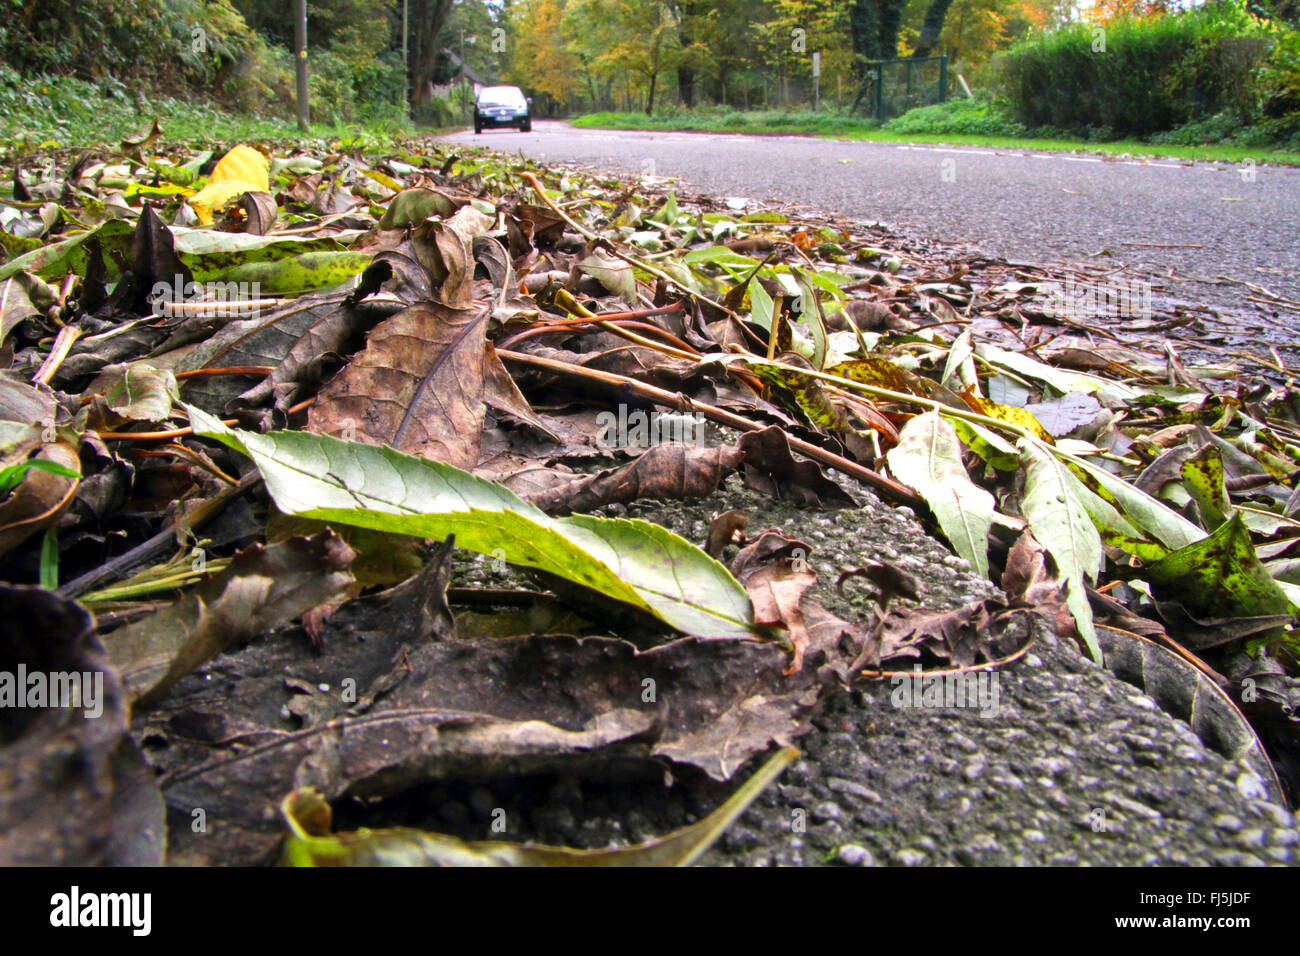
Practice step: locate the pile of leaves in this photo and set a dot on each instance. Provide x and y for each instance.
(252, 405)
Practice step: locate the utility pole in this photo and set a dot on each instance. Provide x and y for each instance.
(464, 103)
(817, 80)
(300, 42)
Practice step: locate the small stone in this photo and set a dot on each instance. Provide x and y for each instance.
(1279, 815)
(909, 857)
(1035, 836)
(1285, 837)
(826, 811)
(1254, 837)
(1133, 806)
(851, 854)
(1226, 821)
(852, 787)
(1052, 765)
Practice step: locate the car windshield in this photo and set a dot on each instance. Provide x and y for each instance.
(501, 96)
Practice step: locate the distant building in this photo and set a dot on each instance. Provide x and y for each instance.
(461, 72)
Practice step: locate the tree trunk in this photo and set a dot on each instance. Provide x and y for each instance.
(686, 85)
(428, 18)
(650, 98)
(931, 27)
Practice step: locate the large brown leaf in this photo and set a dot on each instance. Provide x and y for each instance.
(422, 385)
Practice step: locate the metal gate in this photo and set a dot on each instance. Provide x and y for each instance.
(892, 87)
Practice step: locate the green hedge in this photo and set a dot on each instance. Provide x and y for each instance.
(1140, 77)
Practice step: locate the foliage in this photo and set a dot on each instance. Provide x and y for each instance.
(1138, 76)
(979, 117)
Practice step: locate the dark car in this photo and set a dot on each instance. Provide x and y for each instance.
(502, 106)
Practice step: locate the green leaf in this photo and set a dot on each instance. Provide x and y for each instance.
(614, 274)
(310, 843)
(1219, 577)
(762, 307)
(928, 457)
(668, 212)
(50, 559)
(412, 206)
(813, 317)
(1061, 523)
(1063, 381)
(310, 270)
(1203, 475)
(1144, 512)
(719, 255)
(988, 444)
(639, 563)
(69, 255)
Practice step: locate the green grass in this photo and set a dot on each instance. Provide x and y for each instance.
(957, 123)
(41, 113)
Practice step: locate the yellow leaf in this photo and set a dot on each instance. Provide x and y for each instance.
(242, 170)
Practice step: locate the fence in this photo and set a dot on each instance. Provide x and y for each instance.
(892, 87)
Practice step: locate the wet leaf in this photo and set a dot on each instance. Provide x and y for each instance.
(311, 844)
(928, 457)
(1219, 577)
(263, 587)
(74, 787)
(636, 562)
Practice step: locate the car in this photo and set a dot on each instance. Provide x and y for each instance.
(502, 106)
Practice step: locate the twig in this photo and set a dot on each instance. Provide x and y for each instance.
(892, 489)
(147, 551)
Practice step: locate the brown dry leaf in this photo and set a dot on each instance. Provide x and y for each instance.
(775, 591)
(445, 249)
(259, 212)
(1029, 583)
(422, 385)
(263, 587)
(74, 787)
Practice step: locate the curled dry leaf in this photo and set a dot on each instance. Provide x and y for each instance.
(74, 787)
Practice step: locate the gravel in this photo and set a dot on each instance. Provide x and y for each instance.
(1075, 768)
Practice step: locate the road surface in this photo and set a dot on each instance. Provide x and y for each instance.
(1214, 219)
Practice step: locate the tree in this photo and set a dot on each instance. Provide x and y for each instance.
(931, 27)
(874, 25)
(427, 19)
(637, 38)
(542, 60)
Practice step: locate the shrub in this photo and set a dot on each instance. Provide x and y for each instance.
(1138, 77)
(970, 117)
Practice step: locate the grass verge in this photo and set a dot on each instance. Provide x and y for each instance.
(837, 126)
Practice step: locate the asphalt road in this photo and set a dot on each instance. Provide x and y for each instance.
(1230, 221)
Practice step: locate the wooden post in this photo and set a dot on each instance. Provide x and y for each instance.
(300, 42)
